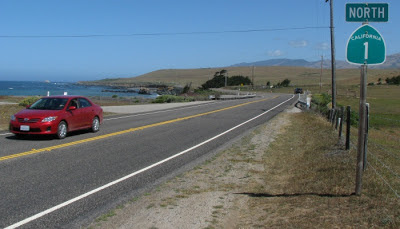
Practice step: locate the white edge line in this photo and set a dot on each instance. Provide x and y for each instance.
(43, 213)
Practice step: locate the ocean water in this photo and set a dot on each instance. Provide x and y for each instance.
(37, 88)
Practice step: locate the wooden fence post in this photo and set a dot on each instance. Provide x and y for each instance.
(333, 117)
(348, 123)
(337, 119)
(341, 121)
(329, 115)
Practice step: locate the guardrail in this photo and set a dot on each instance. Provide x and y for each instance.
(228, 97)
(304, 100)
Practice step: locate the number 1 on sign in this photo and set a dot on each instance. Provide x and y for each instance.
(366, 51)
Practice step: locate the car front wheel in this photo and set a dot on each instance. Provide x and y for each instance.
(62, 130)
(95, 124)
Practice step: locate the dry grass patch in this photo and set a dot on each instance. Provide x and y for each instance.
(311, 180)
(5, 114)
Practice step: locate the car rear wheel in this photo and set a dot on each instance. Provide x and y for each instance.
(62, 130)
(95, 124)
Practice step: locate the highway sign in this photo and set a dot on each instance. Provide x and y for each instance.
(367, 12)
(366, 46)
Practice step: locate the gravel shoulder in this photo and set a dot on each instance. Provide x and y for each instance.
(130, 109)
(209, 196)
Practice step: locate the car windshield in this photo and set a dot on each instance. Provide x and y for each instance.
(49, 104)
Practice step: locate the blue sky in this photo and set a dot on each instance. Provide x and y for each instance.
(73, 40)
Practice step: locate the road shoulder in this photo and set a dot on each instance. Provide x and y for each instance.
(208, 195)
(132, 109)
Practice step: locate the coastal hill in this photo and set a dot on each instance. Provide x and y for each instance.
(392, 62)
(309, 74)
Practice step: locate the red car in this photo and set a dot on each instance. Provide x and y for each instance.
(57, 115)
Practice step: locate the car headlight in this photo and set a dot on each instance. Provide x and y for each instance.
(49, 119)
(13, 118)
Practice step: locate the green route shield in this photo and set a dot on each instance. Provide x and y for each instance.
(366, 46)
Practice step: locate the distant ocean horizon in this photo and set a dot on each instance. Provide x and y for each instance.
(40, 88)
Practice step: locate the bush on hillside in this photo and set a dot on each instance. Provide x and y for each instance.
(28, 101)
(172, 99)
(284, 83)
(219, 81)
(393, 80)
(320, 102)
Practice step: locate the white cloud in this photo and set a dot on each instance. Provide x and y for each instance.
(322, 46)
(276, 53)
(298, 43)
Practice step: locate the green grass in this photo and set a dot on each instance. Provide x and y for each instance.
(384, 103)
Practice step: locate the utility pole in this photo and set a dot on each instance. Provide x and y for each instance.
(320, 75)
(333, 57)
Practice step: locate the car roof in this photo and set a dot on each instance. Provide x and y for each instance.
(64, 96)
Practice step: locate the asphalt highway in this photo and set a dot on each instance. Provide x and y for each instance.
(51, 183)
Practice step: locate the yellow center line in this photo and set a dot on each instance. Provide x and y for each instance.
(35, 151)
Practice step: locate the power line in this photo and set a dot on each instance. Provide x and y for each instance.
(162, 34)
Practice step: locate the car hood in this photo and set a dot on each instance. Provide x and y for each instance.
(37, 113)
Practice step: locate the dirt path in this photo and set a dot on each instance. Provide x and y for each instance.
(210, 196)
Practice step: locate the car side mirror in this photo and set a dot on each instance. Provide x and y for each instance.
(71, 108)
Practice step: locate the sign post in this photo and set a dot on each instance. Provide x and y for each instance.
(365, 46)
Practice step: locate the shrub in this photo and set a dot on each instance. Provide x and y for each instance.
(393, 80)
(172, 99)
(285, 83)
(354, 118)
(28, 101)
(320, 102)
(238, 80)
(218, 80)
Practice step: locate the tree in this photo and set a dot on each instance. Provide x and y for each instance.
(219, 80)
(223, 72)
(238, 80)
(393, 80)
(285, 83)
(216, 82)
(186, 89)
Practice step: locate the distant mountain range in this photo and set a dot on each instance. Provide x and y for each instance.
(392, 62)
